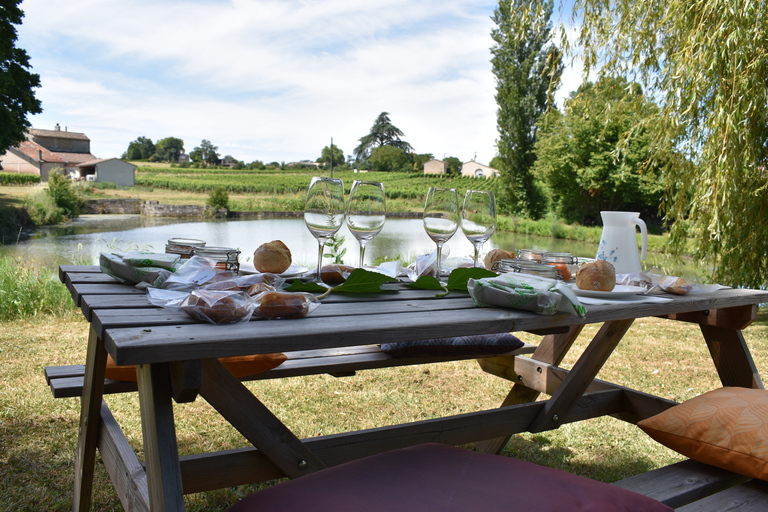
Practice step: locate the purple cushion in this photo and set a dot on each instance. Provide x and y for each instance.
(479, 345)
(434, 477)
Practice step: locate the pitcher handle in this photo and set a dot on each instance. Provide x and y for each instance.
(644, 235)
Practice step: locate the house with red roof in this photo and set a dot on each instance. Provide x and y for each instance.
(46, 150)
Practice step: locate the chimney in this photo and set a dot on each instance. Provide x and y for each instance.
(57, 127)
(39, 155)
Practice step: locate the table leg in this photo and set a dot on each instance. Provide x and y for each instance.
(90, 419)
(552, 350)
(251, 418)
(581, 376)
(161, 454)
(731, 356)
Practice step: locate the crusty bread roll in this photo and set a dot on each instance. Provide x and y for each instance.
(335, 274)
(495, 255)
(273, 257)
(283, 305)
(218, 306)
(598, 275)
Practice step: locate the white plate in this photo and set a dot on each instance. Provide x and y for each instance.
(618, 291)
(292, 271)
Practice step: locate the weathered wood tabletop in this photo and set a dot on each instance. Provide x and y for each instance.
(167, 342)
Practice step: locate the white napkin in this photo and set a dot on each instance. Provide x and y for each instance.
(631, 299)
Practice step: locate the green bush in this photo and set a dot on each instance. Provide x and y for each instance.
(16, 178)
(64, 195)
(218, 198)
(42, 209)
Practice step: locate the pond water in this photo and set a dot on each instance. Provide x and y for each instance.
(80, 241)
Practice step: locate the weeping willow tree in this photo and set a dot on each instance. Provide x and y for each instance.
(706, 62)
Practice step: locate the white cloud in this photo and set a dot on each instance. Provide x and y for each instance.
(268, 80)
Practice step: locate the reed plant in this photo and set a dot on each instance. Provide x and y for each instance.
(27, 291)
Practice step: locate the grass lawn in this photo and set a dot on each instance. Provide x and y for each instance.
(38, 434)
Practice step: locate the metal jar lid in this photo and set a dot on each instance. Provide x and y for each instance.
(527, 267)
(183, 246)
(530, 254)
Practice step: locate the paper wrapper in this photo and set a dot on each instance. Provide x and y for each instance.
(526, 292)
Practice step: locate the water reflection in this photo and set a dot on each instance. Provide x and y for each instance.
(81, 240)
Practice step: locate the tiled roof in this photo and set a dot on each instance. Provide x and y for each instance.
(31, 149)
(75, 158)
(58, 133)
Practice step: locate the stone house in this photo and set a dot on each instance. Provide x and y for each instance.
(435, 166)
(477, 170)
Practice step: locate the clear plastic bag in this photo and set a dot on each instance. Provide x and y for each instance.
(272, 305)
(219, 306)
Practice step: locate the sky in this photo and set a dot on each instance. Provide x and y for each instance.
(269, 80)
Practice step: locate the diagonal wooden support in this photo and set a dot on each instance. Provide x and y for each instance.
(251, 418)
(582, 375)
(551, 350)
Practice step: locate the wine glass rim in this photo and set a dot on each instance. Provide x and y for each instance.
(442, 188)
(315, 179)
(367, 182)
(481, 191)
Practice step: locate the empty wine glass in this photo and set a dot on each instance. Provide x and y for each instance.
(324, 212)
(366, 212)
(441, 218)
(478, 218)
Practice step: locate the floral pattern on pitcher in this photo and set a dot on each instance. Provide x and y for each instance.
(611, 257)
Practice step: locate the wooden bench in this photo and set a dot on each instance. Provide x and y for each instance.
(67, 381)
(691, 486)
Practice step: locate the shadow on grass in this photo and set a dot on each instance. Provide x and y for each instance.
(540, 449)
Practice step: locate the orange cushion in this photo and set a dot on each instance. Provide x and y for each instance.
(240, 366)
(727, 428)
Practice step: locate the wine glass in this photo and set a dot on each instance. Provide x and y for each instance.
(366, 212)
(441, 217)
(478, 218)
(324, 212)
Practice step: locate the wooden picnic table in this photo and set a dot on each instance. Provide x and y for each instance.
(177, 357)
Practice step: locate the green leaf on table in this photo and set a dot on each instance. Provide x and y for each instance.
(305, 286)
(426, 283)
(364, 281)
(457, 281)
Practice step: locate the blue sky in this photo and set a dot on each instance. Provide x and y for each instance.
(268, 80)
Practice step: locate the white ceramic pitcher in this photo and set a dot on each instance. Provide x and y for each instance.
(618, 243)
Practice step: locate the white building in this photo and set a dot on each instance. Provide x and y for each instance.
(476, 170)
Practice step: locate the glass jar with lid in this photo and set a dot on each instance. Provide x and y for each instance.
(183, 246)
(226, 258)
(530, 254)
(565, 262)
(527, 267)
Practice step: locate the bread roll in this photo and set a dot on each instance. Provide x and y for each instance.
(598, 275)
(283, 305)
(273, 257)
(218, 307)
(335, 274)
(495, 255)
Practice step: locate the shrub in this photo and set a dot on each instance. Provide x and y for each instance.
(218, 198)
(64, 195)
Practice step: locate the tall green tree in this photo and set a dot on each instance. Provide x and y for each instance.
(17, 82)
(169, 149)
(205, 152)
(140, 149)
(326, 157)
(707, 61)
(578, 157)
(454, 165)
(528, 67)
(389, 158)
(383, 133)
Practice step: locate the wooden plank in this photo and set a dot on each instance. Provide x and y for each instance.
(124, 469)
(251, 418)
(90, 414)
(66, 269)
(583, 373)
(681, 483)
(89, 278)
(751, 496)
(731, 356)
(731, 318)
(160, 448)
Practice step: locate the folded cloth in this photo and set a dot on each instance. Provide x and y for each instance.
(527, 292)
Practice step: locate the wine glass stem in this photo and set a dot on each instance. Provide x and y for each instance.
(477, 252)
(439, 259)
(321, 245)
(362, 252)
